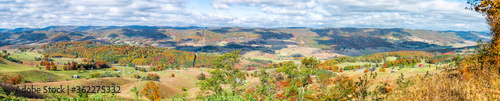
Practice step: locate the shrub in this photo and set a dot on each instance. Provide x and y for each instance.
(16, 80)
(95, 75)
(152, 69)
(131, 65)
(381, 70)
(172, 75)
(152, 76)
(13, 60)
(136, 76)
(47, 67)
(53, 67)
(183, 89)
(201, 77)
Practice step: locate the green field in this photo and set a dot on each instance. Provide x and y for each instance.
(186, 77)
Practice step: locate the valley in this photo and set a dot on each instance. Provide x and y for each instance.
(177, 72)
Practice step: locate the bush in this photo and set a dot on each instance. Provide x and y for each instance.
(47, 67)
(53, 67)
(153, 77)
(13, 60)
(172, 75)
(131, 65)
(201, 77)
(381, 70)
(137, 76)
(183, 89)
(16, 80)
(95, 75)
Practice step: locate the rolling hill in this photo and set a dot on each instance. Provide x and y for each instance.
(194, 38)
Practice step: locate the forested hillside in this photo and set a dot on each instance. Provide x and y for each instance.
(125, 54)
(344, 41)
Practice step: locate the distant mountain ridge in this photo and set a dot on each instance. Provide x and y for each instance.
(139, 27)
(341, 39)
(94, 28)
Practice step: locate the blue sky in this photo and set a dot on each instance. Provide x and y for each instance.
(411, 14)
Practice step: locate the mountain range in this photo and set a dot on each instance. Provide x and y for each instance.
(195, 38)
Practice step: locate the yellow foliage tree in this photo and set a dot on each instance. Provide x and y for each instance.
(151, 91)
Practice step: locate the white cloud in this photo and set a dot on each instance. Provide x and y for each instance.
(414, 14)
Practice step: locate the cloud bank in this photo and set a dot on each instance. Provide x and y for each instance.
(412, 14)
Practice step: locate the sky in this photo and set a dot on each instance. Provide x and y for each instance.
(410, 14)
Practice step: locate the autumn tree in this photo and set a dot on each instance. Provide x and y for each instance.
(310, 62)
(152, 91)
(53, 67)
(136, 76)
(214, 82)
(203, 77)
(47, 66)
(225, 73)
(297, 79)
(16, 80)
(489, 53)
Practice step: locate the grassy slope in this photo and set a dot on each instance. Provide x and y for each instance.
(171, 85)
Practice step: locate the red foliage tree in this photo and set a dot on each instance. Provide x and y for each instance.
(47, 66)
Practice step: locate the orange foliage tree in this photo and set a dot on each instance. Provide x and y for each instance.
(151, 91)
(53, 67)
(16, 80)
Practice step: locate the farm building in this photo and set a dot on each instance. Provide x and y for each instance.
(76, 76)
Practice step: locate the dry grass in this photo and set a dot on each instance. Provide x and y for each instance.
(451, 85)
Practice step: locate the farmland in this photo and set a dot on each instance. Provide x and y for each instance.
(186, 84)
